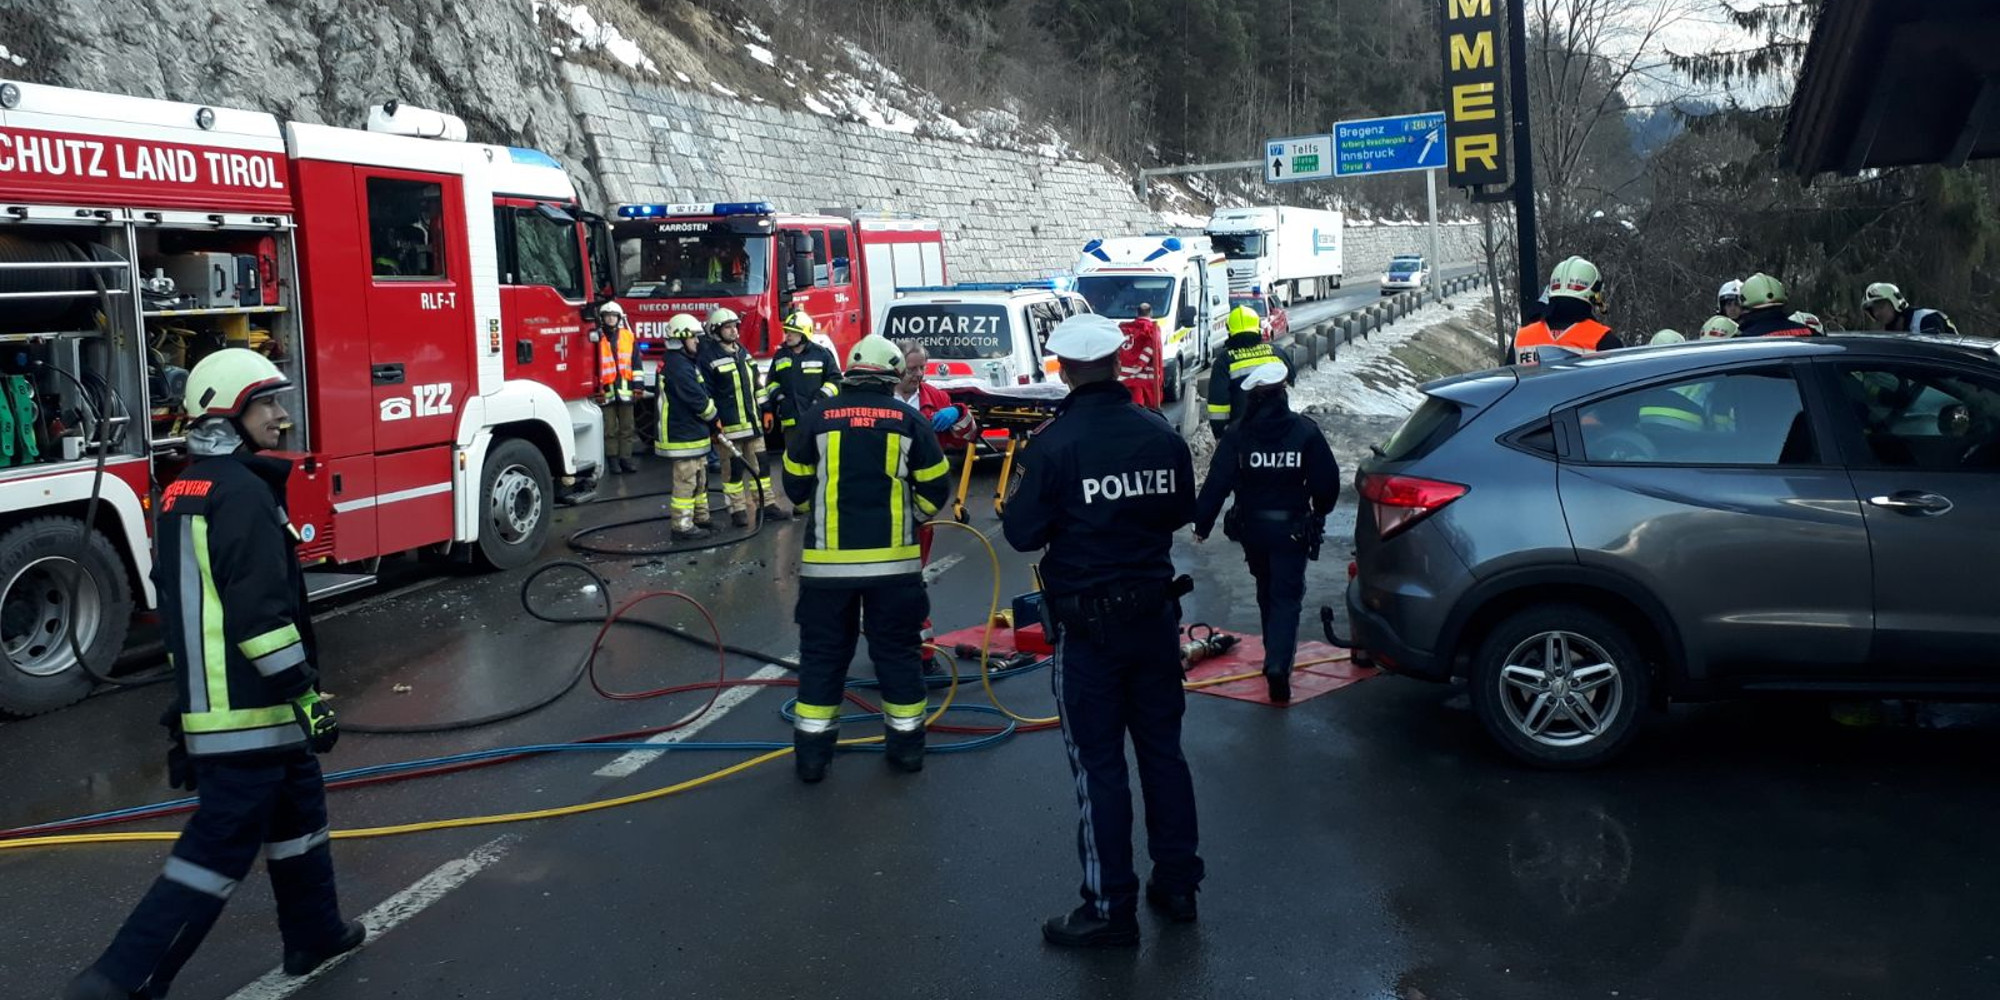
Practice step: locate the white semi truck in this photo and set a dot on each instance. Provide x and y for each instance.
(1185, 280)
(1295, 253)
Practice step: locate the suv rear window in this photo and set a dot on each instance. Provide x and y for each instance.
(1432, 424)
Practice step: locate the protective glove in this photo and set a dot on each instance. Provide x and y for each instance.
(316, 717)
(943, 419)
(180, 767)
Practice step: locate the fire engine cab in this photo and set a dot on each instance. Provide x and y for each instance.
(424, 294)
(843, 270)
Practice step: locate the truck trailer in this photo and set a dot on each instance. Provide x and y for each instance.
(1295, 253)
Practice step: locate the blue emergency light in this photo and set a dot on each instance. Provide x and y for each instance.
(705, 208)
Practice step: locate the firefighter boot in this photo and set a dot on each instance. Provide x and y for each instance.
(300, 962)
(812, 753)
(740, 518)
(773, 512)
(905, 751)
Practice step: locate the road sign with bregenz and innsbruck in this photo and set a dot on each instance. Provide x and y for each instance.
(1305, 158)
(1388, 145)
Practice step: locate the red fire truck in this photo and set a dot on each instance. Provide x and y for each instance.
(747, 256)
(424, 293)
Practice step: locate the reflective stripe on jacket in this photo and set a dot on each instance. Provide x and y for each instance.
(864, 472)
(732, 383)
(799, 380)
(233, 604)
(614, 364)
(1232, 364)
(686, 411)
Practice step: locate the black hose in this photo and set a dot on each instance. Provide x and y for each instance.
(576, 540)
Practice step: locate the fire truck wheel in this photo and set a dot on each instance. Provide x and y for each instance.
(47, 588)
(518, 495)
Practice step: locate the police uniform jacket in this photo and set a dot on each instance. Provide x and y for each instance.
(233, 603)
(1105, 486)
(863, 471)
(731, 376)
(1240, 353)
(686, 410)
(799, 380)
(1274, 461)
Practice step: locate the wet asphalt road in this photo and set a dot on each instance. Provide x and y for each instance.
(1367, 844)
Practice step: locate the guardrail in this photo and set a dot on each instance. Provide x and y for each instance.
(1323, 340)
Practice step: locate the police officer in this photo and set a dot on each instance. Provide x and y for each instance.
(1764, 311)
(1284, 478)
(1884, 303)
(248, 718)
(1244, 350)
(686, 415)
(732, 384)
(1106, 485)
(615, 391)
(1575, 294)
(863, 472)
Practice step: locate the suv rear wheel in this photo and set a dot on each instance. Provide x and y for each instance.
(1560, 686)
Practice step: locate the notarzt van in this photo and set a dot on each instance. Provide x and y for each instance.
(991, 331)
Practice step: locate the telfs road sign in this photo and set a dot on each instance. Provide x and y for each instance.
(1303, 158)
(1389, 145)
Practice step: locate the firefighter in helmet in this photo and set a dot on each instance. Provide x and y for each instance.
(1884, 303)
(732, 383)
(802, 374)
(1718, 328)
(615, 389)
(863, 472)
(248, 721)
(1240, 354)
(1667, 337)
(687, 416)
(1729, 300)
(1575, 293)
(1764, 311)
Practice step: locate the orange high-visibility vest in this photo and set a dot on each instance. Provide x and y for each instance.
(1583, 335)
(614, 365)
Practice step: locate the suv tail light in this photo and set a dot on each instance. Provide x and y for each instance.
(1402, 501)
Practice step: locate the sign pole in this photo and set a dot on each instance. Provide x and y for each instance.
(1524, 159)
(1431, 188)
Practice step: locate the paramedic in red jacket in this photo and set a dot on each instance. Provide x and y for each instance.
(953, 423)
(1139, 359)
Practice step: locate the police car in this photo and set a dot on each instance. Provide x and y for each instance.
(994, 332)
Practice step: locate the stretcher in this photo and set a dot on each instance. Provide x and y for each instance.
(1015, 409)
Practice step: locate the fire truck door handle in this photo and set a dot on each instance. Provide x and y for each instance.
(524, 352)
(391, 374)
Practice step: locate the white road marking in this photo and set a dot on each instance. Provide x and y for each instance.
(391, 912)
(630, 762)
(939, 565)
(375, 599)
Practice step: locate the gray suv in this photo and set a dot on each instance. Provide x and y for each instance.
(1584, 540)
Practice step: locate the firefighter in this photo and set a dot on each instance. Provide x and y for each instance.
(802, 374)
(1105, 487)
(1139, 359)
(1667, 337)
(1764, 311)
(1729, 300)
(1575, 293)
(1244, 350)
(863, 472)
(732, 384)
(1884, 303)
(1718, 328)
(1285, 480)
(615, 392)
(686, 415)
(248, 719)
(1810, 321)
(954, 424)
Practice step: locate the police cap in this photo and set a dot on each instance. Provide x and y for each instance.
(1086, 337)
(1265, 375)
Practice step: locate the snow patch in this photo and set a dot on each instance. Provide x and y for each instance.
(724, 91)
(761, 54)
(590, 34)
(683, 77)
(6, 56)
(1368, 380)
